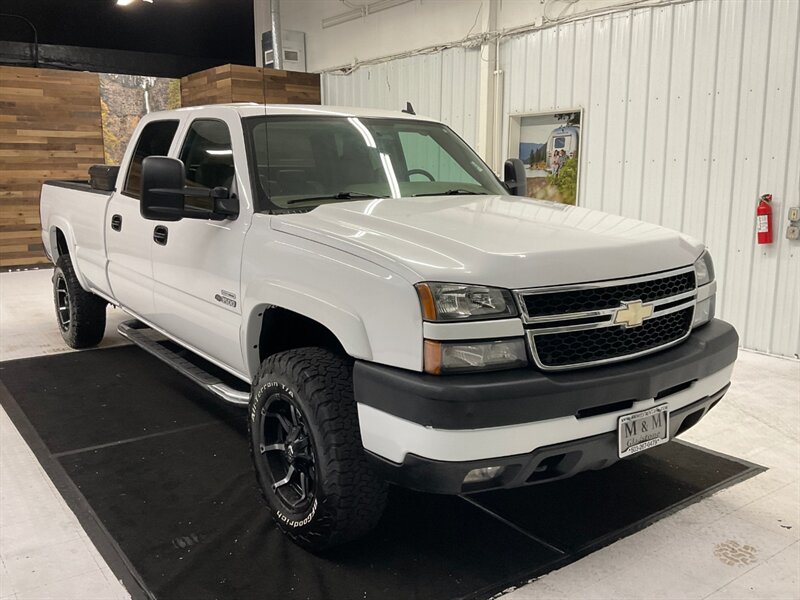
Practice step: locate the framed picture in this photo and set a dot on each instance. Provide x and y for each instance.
(549, 146)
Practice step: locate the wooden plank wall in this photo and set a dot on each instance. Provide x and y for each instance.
(49, 129)
(212, 86)
(247, 83)
(291, 87)
(238, 83)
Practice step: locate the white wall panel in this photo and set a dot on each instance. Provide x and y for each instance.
(738, 275)
(616, 125)
(638, 94)
(443, 86)
(701, 124)
(690, 112)
(776, 277)
(678, 152)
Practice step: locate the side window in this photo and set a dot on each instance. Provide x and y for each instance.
(155, 140)
(208, 158)
(424, 155)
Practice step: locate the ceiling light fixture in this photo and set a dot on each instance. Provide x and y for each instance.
(128, 2)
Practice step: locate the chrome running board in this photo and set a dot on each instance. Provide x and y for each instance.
(153, 342)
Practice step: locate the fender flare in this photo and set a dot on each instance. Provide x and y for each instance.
(59, 223)
(334, 314)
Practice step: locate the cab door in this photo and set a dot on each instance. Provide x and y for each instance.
(197, 262)
(128, 235)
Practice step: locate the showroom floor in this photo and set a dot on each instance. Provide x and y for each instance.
(743, 542)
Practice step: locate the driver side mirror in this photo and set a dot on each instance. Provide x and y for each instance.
(164, 194)
(515, 178)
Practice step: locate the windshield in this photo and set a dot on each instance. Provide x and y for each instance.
(302, 161)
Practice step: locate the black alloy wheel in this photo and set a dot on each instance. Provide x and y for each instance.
(305, 441)
(81, 315)
(63, 307)
(288, 453)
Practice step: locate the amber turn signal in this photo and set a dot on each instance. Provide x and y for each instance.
(433, 357)
(426, 301)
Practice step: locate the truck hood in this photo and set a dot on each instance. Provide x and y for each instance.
(504, 241)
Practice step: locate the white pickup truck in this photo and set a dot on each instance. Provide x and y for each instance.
(388, 310)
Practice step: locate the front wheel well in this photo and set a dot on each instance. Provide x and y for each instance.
(283, 329)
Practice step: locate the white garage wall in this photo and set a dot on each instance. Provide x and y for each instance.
(691, 110)
(394, 26)
(444, 86)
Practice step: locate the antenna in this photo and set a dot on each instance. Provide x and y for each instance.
(409, 109)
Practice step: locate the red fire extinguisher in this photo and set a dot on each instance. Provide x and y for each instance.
(764, 219)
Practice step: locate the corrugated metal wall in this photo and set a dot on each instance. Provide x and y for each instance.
(690, 112)
(442, 86)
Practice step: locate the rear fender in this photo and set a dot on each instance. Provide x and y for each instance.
(60, 224)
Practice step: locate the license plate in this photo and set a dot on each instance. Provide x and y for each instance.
(643, 430)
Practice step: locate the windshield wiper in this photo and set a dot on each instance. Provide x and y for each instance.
(454, 192)
(338, 196)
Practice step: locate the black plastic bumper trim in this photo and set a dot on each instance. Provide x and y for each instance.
(545, 464)
(478, 400)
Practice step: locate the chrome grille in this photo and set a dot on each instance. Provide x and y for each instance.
(574, 326)
(591, 345)
(572, 301)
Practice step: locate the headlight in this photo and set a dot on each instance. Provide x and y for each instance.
(456, 302)
(706, 290)
(447, 357)
(704, 269)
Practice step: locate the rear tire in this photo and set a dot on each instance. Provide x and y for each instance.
(306, 447)
(81, 316)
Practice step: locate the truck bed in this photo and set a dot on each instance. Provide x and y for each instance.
(80, 185)
(78, 211)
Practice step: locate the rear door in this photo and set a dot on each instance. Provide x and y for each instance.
(129, 237)
(197, 265)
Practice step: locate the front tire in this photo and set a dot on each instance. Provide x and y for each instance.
(81, 316)
(306, 447)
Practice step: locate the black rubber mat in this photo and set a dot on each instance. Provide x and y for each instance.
(159, 474)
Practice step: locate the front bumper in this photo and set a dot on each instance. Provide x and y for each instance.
(427, 432)
(549, 463)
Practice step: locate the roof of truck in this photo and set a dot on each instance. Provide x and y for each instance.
(252, 109)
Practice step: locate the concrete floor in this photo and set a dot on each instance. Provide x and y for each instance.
(743, 542)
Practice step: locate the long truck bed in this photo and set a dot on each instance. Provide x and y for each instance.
(79, 211)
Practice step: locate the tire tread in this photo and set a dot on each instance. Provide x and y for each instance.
(355, 496)
(87, 311)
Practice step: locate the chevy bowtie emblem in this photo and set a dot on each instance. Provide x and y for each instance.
(633, 314)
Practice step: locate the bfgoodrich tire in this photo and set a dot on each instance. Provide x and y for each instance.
(306, 447)
(81, 316)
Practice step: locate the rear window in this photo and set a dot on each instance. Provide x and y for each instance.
(155, 140)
